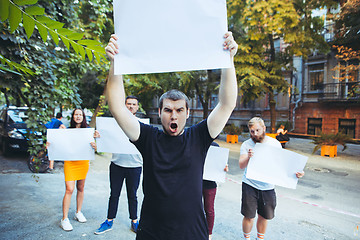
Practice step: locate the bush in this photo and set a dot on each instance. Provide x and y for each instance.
(330, 139)
(231, 129)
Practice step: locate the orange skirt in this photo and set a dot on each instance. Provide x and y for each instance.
(76, 170)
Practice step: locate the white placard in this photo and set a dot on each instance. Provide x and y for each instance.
(275, 165)
(170, 35)
(215, 162)
(70, 144)
(112, 137)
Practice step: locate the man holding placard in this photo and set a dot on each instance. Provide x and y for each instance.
(124, 167)
(257, 196)
(173, 158)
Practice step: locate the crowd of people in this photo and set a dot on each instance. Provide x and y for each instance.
(178, 203)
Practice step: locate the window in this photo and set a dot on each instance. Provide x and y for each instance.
(314, 126)
(347, 126)
(17, 116)
(316, 76)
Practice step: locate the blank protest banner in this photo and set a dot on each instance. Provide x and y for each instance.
(112, 137)
(170, 35)
(275, 165)
(215, 162)
(71, 144)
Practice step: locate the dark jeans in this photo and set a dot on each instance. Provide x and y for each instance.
(132, 180)
(209, 198)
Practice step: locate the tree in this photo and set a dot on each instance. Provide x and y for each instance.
(30, 15)
(43, 77)
(347, 25)
(348, 68)
(202, 85)
(256, 26)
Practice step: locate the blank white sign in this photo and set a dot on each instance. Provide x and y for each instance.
(275, 165)
(215, 162)
(71, 144)
(112, 137)
(170, 35)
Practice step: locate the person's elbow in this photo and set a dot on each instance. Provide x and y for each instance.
(228, 107)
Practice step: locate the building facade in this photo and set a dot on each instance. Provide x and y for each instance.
(328, 100)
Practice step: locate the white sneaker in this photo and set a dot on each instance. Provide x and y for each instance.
(66, 225)
(80, 217)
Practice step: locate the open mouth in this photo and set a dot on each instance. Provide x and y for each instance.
(173, 127)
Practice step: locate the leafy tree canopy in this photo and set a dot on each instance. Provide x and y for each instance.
(257, 25)
(347, 25)
(43, 48)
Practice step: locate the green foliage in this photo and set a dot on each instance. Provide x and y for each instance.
(51, 76)
(231, 129)
(256, 26)
(32, 16)
(4, 61)
(331, 139)
(347, 25)
(147, 86)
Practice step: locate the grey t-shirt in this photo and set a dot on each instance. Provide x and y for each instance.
(127, 160)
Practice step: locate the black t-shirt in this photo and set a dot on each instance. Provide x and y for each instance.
(172, 208)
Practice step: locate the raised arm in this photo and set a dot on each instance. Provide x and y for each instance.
(227, 93)
(115, 94)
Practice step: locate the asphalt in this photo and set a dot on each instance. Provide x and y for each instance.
(30, 204)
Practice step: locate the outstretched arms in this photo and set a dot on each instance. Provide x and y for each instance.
(227, 93)
(115, 94)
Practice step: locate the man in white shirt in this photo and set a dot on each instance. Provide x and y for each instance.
(124, 167)
(257, 196)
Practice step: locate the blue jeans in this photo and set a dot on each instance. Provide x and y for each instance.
(132, 180)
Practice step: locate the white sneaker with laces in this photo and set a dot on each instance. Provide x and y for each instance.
(80, 217)
(66, 225)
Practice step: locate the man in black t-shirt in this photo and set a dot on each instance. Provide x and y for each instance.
(173, 158)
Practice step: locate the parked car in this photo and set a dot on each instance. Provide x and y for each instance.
(13, 129)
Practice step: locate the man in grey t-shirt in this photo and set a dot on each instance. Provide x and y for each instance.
(257, 196)
(124, 167)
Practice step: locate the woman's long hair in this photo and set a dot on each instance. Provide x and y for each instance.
(73, 123)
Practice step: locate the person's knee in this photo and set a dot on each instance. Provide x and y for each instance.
(80, 186)
(69, 190)
(248, 220)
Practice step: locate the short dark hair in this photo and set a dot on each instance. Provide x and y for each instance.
(131, 97)
(174, 95)
(59, 115)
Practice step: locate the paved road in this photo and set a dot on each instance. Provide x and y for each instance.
(325, 204)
